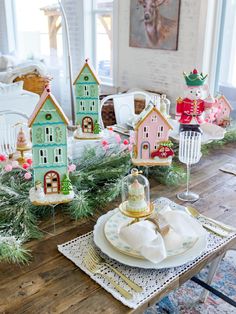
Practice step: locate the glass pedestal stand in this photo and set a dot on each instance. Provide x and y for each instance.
(189, 154)
(22, 158)
(136, 215)
(188, 196)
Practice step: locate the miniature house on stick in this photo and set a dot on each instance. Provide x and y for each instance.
(152, 146)
(87, 104)
(49, 152)
(224, 111)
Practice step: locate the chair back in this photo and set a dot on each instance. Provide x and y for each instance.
(124, 106)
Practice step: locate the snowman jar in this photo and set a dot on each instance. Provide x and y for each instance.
(197, 100)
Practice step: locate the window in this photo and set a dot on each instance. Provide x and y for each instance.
(101, 26)
(160, 131)
(82, 105)
(58, 155)
(48, 134)
(43, 156)
(154, 118)
(86, 90)
(145, 132)
(92, 106)
(156, 146)
(226, 58)
(39, 37)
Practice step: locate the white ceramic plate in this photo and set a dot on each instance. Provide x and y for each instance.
(211, 132)
(172, 261)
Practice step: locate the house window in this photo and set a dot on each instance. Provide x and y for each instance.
(82, 105)
(156, 146)
(86, 90)
(58, 155)
(92, 105)
(160, 131)
(48, 134)
(145, 132)
(154, 118)
(43, 156)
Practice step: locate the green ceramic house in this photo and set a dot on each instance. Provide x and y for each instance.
(87, 99)
(49, 143)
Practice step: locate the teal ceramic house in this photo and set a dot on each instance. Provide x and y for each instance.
(49, 148)
(87, 101)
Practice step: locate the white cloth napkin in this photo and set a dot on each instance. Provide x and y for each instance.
(144, 237)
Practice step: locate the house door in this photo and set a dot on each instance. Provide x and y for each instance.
(145, 150)
(87, 125)
(51, 182)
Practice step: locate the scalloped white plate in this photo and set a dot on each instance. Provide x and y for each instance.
(211, 132)
(171, 261)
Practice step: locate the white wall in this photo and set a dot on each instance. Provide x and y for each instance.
(161, 70)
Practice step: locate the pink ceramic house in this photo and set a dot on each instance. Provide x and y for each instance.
(152, 146)
(224, 110)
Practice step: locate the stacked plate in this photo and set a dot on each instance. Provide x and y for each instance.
(210, 131)
(106, 237)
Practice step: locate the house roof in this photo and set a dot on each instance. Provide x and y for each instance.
(91, 69)
(47, 95)
(225, 100)
(146, 112)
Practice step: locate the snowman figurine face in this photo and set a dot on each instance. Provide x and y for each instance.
(194, 92)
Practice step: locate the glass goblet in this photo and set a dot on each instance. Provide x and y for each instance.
(189, 154)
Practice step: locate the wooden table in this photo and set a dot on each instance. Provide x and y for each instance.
(53, 284)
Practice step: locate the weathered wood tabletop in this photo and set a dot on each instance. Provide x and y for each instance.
(53, 284)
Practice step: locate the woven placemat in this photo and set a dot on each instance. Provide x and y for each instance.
(152, 280)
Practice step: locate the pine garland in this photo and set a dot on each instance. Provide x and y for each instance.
(96, 182)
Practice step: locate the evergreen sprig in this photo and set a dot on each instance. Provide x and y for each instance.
(96, 182)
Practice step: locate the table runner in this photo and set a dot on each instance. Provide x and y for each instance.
(152, 280)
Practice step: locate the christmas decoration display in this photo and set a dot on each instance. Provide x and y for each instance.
(22, 145)
(87, 104)
(220, 112)
(96, 179)
(152, 138)
(49, 150)
(66, 186)
(136, 196)
(190, 110)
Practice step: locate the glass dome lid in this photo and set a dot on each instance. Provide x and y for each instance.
(135, 195)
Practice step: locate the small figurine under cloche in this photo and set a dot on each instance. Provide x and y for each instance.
(136, 196)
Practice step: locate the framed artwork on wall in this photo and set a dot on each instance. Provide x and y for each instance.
(154, 24)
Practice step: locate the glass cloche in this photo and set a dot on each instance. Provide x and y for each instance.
(136, 196)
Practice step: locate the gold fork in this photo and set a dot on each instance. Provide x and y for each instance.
(99, 260)
(194, 212)
(96, 269)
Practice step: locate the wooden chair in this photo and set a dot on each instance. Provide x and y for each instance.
(124, 106)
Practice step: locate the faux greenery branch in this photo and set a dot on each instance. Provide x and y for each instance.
(96, 182)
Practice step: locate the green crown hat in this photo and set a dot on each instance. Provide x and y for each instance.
(195, 78)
